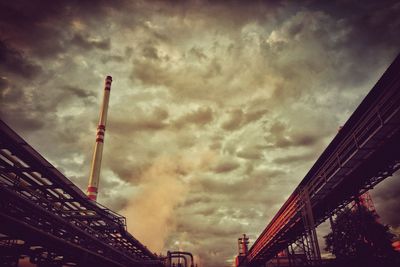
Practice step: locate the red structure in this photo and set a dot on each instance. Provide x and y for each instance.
(243, 243)
(243, 249)
(366, 201)
(94, 177)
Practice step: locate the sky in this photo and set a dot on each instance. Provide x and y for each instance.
(217, 111)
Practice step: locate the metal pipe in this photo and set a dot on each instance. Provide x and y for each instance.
(185, 253)
(180, 256)
(98, 149)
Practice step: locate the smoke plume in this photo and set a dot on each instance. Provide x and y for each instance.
(150, 213)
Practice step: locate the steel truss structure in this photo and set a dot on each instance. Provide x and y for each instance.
(363, 153)
(45, 216)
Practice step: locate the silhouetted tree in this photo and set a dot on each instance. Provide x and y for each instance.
(358, 239)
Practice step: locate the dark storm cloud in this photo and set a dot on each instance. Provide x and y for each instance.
(16, 107)
(304, 139)
(198, 53)
(43, 27)
(293, 159)
(266, 173)
(9, 92)
(235, 13)
(216, 186)
(23, 22)
(335, 35)
(149, 121)
(14, 62)
(150, 52)
(214, 229)
(251, 152)
(27, 122)
(239, 118)
(225, 165)
(368, 19)
(234, 121)
(110, 58)
(386, 200)
(200, 116)
(278, 135)
(150, 73)
(117, 202)
(4, 84)
(86, 42)
(79, 92)
(244, 189)
(282, 136)
(374, 26)
(131, 170)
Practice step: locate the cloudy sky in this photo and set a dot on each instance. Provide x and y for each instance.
(217, 109)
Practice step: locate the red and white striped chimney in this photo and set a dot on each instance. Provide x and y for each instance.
(98, 148)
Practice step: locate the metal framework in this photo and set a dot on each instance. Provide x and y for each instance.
(179, 255)
(45, 216)
(363, 153)
(183, 253)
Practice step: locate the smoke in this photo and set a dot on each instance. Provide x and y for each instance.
(198, 261)
(164, 186)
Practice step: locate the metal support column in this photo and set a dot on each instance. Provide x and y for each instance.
(311, 241)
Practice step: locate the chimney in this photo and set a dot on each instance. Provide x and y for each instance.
(98, 148)
(243, 245)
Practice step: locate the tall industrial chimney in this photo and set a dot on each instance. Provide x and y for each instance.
(98, 148)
